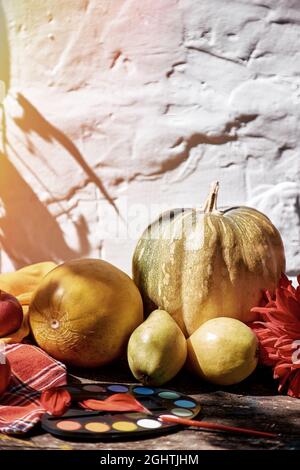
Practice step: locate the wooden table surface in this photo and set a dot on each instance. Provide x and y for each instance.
(254, 404)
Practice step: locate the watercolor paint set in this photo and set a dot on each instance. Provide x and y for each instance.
(78, 423)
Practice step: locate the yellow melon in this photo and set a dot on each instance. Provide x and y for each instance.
(84, 311)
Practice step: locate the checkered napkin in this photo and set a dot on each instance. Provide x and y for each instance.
(33, 371)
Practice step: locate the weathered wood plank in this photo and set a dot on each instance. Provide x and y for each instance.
(254, 403)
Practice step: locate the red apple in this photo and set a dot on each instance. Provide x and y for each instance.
(11, 314)
(5, 373)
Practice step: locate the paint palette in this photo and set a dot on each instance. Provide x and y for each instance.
(79, 423)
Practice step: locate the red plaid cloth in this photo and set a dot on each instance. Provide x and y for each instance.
(33, 371)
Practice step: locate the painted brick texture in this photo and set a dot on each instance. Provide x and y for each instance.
(118, 109)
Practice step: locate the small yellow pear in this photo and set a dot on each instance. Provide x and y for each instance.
(223, 351)
(157, 349)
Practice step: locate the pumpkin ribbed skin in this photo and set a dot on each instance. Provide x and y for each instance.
(216, 266)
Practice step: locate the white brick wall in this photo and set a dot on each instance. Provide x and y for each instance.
(131, 106)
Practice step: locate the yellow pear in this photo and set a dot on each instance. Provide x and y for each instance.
(157, 349)
(223, 351)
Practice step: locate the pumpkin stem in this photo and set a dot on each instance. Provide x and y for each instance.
(211, 202)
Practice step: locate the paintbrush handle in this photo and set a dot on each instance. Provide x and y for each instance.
(216, 427)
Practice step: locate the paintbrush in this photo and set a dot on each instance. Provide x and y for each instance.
(214, 426)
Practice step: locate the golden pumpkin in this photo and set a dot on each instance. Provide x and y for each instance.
(201, 264)
(84, 311)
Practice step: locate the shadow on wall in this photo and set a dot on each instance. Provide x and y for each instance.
(28, 231)
(32, 121)
(4, 51)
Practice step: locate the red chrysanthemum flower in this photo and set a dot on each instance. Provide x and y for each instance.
(278, 331)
